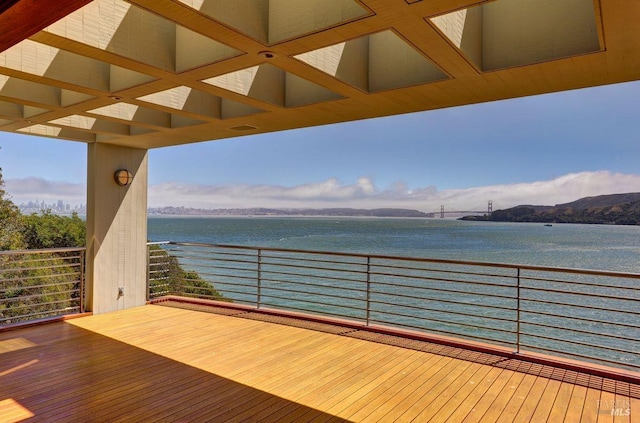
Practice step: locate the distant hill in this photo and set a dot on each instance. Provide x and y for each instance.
(615, 209)
(384, 212)
(602, 201)
(341, 212)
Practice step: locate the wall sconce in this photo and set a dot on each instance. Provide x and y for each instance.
(123, 177)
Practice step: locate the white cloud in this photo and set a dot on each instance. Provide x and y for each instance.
(363, 193)
(24, 190)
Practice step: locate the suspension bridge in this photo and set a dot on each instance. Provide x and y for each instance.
(444, 213)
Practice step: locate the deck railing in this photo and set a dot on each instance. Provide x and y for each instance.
(582, 314)
(38, 284)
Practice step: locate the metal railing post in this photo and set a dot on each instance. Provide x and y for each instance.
(82, 281)
(518, 315)
(368, 289)
(148, 272)
(259, 293)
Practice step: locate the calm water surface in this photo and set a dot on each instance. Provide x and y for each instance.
(603, 247)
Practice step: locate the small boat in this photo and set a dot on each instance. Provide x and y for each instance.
(548, 224)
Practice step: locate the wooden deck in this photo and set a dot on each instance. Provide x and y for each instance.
(156, 363)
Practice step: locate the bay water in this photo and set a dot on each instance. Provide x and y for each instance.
(598, 247)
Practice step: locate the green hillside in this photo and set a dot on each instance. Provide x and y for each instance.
(616, 209)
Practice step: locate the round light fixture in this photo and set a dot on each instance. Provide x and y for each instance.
(115, 97)
(123, 177)
(267, 54)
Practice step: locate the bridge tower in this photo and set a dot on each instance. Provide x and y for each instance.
(441, 212)
(490, 208)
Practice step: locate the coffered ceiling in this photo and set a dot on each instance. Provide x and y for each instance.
(154, 73)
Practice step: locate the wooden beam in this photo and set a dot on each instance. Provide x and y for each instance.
(5, 4)
(20, 19)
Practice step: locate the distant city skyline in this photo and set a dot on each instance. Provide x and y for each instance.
(545, 149)
(60, 206)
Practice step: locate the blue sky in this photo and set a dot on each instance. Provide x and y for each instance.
(545, 150)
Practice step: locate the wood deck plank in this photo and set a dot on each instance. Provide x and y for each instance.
(434, 389)
(606, 401)
(528, 408)
(560, 406)
(503, 398)
(157, 363)
(546, 401)
(445, 407)
(40, 386)
(359, 408)
(282, 377)
(440, 398)
(518, 399)
(125, 386)
(336, 381)
(634, 409)
(348, 397)
(465, 400)
(576, 404)
(140, 399)
(591, 406)
(405, 396)
(290, 379)
(488, 397)
(363, 386)
(622, 408)
(321, 361)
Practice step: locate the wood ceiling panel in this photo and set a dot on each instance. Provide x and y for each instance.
(163, 55)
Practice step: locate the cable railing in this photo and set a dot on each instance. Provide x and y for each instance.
(37, 284)
(581, 314)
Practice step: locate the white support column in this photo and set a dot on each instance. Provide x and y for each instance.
(116, 229)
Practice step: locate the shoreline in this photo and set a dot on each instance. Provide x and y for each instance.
(288, 216)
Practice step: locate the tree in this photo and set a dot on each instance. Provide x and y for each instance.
(167, 277)
(10, 222)
(48, 230)
(38, 285)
